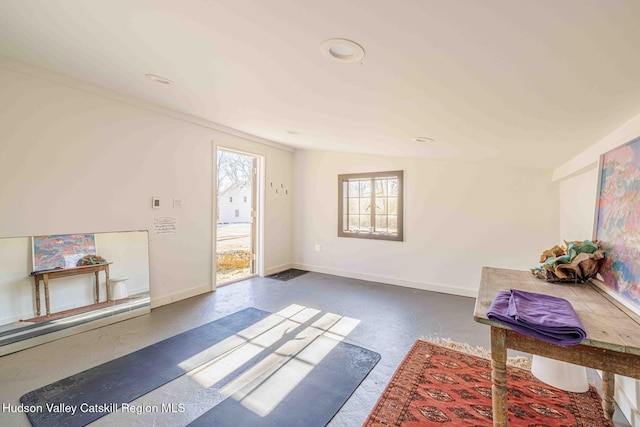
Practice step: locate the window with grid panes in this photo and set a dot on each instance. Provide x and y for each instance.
(370, 205)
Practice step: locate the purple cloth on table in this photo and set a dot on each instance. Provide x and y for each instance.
(541, 316)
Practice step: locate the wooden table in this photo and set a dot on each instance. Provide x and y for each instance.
(54, 274)
(613, 334)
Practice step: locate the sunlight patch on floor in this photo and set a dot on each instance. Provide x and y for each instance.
(270, 392)
(261, 387)
(213, 372)
(252, 378)
(267, 384)
(241, 338)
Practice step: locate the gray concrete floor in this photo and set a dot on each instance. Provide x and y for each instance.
(391, 319)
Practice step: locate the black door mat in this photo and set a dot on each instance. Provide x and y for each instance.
(287, 275)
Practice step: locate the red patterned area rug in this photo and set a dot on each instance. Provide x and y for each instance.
(435, 385)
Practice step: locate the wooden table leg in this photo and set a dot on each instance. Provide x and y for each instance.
(108, 283)
(37, 283)
(45, 279)
(499, 376)
(97, 298)
(608, 387)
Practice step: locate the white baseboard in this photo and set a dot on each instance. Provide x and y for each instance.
(628, 408)
(177, 296)
(13, 319)
(444, 289)
(277, 269)
(137, 290)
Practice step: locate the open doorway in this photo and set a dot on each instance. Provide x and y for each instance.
(236, 218)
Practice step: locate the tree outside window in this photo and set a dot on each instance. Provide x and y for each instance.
(370, 205)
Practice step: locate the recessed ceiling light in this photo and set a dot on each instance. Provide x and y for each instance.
(342, 50)
(158, 79)
(293, 132)
(422, 139)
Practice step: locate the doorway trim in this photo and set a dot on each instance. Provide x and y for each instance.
(259, 180)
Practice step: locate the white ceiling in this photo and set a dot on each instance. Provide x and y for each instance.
(530, 82)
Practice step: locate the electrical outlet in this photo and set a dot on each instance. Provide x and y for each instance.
(317, 248)
(177, 203)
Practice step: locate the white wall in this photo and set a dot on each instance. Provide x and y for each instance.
(577, 204)
(578, 184)
(129, 254)
(75, 158)
(16, 285)
(457, 218)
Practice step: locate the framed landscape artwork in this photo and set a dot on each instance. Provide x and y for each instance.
(617, 223)
(61, 250)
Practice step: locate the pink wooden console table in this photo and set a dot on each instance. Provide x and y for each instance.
(613, 334)
(54, 274)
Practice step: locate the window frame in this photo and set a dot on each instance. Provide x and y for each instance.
(399, 175)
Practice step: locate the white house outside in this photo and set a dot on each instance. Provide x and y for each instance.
(234, 203)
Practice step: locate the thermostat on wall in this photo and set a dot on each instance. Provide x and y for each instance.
(155, 202)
